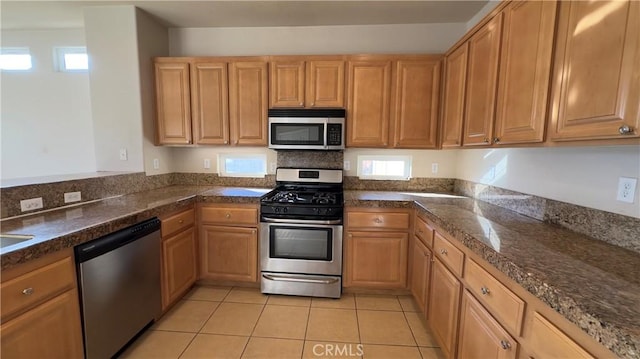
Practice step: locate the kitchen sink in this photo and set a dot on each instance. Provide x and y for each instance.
(11, 239)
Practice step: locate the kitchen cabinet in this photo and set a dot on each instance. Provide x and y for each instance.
(173, 96)
(210, 103)
(376, 248)
(414, 113)
(229, 242)
(420, 273)
(444, 307)
(525, 72)
(368, 102)
(482, 77)
(596, 86)
(248, 102)
(302, 82)
(179, 256)
(455, 80)
(481, 336)
(548, 341)
(40, 309)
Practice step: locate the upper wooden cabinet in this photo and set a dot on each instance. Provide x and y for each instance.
(414, 114)
(248, 103)
(173, 104)
(210, 103)
(525, 72)
(482, 77)
(455, 80)
(306, 83)
(596, 89)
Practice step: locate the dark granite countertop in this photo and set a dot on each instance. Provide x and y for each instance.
(593, 284)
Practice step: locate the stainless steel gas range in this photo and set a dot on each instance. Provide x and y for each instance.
(301, 233)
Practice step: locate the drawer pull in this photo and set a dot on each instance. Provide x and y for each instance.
(228, 215)
(377, 220)
(505, 344)
(27, 291)
(443, 251)
(181, 221)
(485, 290)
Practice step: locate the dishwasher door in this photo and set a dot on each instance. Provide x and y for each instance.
(119, 280)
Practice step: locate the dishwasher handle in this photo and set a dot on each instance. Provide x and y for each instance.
(109, 242)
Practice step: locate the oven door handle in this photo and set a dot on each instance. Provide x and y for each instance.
(300, 221)
(284, 278)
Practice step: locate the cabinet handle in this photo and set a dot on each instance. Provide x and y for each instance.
(236, 142)
(625, 130)
(301, 104)
(420, 231)
(505, 344)
(228, 215)
(443, 251)
(377, 220)
(496, 139)
(486, 140)
(27, 291)
(181, 221)
(225, 142)
(313, 104)
(485, 290)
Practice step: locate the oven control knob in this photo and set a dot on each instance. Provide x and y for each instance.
(285, 210)
(277, 209)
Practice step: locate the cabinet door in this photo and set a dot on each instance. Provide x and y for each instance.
(455, 80)
(415, 103)
(368, 94)
(596, 89)
(50, 330)
(229, 253)
(286, 84)
(443, 307)
(548, 341)
(420, 274)
(525, 71)
(482, 77)
(210, 103)
(481, 336)
(248, 103)
(376, 260)
(173, 103)
(325, 84)
(179, 265)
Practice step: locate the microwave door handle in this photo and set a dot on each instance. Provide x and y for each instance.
(326, 132)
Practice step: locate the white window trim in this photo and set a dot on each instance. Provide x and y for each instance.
(58, 57)
(222, 168)
(404, 177)
(17, 51)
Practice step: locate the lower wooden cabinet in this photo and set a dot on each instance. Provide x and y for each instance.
(481, 336)
(421, 274)
(443, 307)
(179, 271)
(376, 260)
(547, 341)
(229, 253)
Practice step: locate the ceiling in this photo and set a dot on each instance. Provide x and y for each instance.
(20, 14)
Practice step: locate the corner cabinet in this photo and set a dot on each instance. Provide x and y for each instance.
(229, 242)
(421, 259)
(596, 89)
(444, 307)
(455, 80)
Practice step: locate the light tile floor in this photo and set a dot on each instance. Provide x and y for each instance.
(221, 322)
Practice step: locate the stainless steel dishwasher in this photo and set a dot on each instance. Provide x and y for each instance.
(119, 279)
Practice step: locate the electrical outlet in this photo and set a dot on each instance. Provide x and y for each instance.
(434, 168)
(347, 165)
(156, 163)
(626, 189)
(31, 204)
(207, 163)
(72, 197)
(123, 154)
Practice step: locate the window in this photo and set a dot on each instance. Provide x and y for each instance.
(384, 167)
(71, 59)
(15, 59)
(242, 165)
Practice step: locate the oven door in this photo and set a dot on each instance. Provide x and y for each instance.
(301, 248)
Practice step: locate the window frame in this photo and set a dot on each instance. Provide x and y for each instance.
(60, 62)
(222, 171)
(407, 159)
(17, 50)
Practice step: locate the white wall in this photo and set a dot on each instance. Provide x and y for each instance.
(153, 40)
(586, 176)
(482, 13)
(115, 86)
(46, 115)
(318, 40)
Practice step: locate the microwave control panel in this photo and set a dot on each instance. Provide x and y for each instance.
(334, 134)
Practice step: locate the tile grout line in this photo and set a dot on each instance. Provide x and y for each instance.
(264, 305)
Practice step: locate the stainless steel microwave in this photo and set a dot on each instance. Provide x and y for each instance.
(306, 129)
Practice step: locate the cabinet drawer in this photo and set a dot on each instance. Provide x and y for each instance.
(503, 303)
(547, 341)
(33, 287)
(424, 232)
(177, 222)
(230, 216)
(378, 220)
(449, 254)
